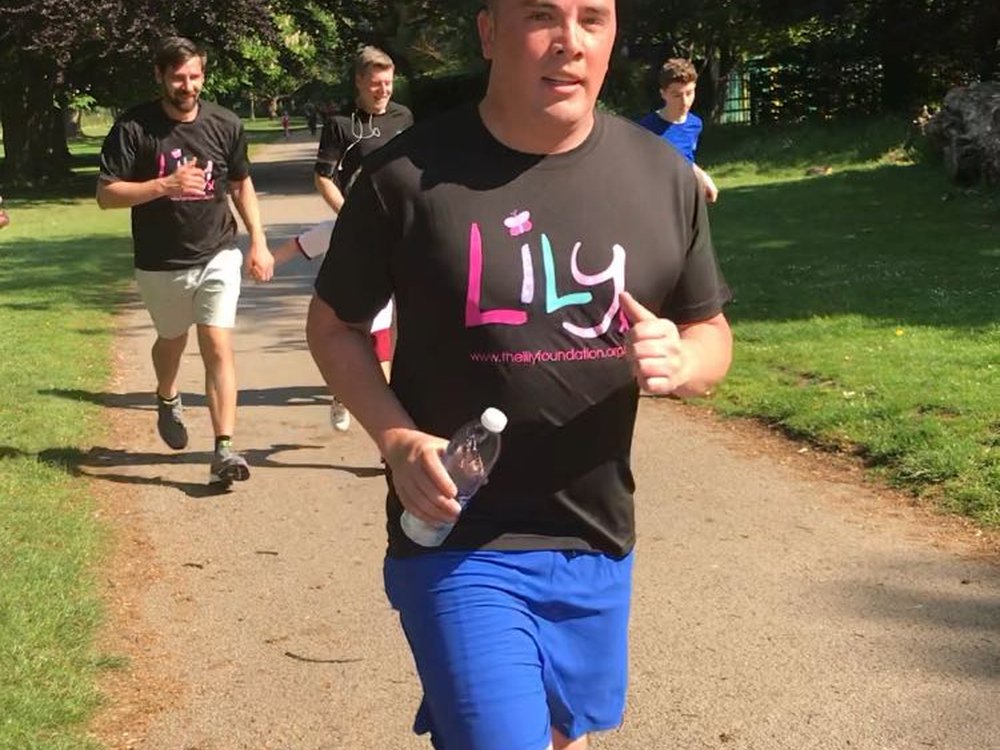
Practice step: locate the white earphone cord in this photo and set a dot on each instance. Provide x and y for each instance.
(359, 135)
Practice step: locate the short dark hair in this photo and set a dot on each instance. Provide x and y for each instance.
(677, 70)
(174, 51)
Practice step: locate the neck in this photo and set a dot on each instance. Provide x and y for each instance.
(179, 115)
(376, 112)
(665, 114)
(532, 134)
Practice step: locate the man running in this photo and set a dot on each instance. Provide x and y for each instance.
(173, 161)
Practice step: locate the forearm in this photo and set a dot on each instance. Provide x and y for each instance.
(245, 200)
(708, 186)
(124, 194)
(345, 358)
(710, 344)
(329, 191)
(288, 250)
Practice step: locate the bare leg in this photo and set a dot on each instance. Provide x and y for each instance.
(167, 355)
(560, 742)
(386, 369)
(216, 347)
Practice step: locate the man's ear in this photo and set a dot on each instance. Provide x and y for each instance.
(485, 24)
(157, 74)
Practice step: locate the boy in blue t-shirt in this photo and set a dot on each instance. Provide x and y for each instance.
(675, 122)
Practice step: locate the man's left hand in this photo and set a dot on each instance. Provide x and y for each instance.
(260, 262)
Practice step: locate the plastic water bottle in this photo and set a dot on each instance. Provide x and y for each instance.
(469, 457)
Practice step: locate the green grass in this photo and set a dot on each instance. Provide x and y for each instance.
(62, 266)
(866, 305)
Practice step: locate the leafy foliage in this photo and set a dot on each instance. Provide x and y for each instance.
(55, 50)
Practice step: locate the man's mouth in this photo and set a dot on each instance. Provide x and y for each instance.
(562, 81)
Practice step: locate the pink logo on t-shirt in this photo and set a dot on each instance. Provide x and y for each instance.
(177, 159)
(519, 223)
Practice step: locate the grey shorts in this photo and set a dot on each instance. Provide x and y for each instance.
(203, 295)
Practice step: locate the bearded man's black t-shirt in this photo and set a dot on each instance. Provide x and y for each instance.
(507, 269)
(144, 144)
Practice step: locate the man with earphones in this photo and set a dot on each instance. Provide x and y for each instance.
(348, 138)
(345, 141)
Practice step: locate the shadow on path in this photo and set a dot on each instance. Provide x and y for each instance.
(95, 462)
(294, 395)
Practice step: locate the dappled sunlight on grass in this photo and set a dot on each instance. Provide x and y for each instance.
(867, 314)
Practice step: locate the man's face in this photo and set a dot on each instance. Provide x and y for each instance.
(182, 85)
(678, 98)
(549, 56)
(374, 90)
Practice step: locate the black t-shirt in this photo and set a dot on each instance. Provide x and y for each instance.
(506, 269)
(174, 233)
(347, 139)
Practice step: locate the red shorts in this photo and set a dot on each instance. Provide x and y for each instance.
(382, 344)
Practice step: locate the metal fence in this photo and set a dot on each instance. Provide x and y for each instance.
(788, 90)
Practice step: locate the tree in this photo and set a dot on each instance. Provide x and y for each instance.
(916, 49)
(37, 44)
(52, 49)
(56, 51)
(718, 35)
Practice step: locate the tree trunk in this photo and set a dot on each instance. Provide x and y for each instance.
(58, 137)
(72, 122)
(35, 144)
(15, 136)
(900, 82)
(713, 81)
(986, 44)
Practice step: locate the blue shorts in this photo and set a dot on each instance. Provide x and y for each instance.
(511, 644)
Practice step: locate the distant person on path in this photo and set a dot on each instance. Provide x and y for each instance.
(520, 286)
(312, 117)
(285, 123)
(173, 161)
(4, 218)
(345, 141)
(675, 122)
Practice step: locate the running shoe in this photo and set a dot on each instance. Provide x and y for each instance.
(228, 466)
(170, 422)
(340, 418)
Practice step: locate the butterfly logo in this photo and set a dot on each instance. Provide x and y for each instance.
(518, 223)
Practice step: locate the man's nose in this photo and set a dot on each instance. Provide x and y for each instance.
(567, 41)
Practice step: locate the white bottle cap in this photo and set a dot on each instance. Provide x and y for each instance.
(494, 420)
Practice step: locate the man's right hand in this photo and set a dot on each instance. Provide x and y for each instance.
(419, 477)
(187, 180)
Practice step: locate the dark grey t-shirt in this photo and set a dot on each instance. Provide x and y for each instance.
(175, 233)
(506, 269)
(347, 139)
